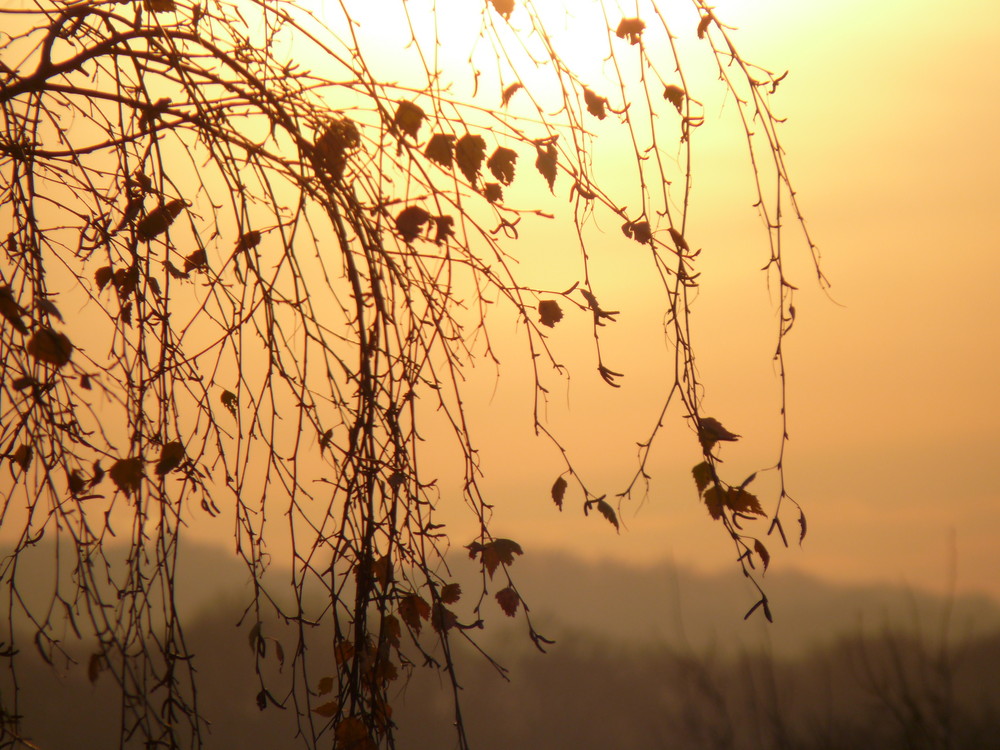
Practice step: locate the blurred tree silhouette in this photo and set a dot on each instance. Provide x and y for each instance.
(235, 284)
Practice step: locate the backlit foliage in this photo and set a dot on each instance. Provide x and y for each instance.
(249, 248)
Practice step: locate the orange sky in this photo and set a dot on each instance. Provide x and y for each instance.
(891, 138)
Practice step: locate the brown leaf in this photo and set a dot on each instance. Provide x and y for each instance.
(127, 474)
(546, 162)
(125, 281)
(443, 619)
(410, 223)
(340, 138)
(50, 347)
(382, 570)
(503, 7)
(352, 734)
(493, 192)
(330, 708)
(501, 164)
(102, 277)
(196, 260)
(170, 457)
(75, 482)
(324, 687)
(343, 652)
(443, 228)
(559, 491)
(703, 475)
(441, 148)
(679, 240)
(159, 219)
(762, 553)
(12, 311)
(549, 312)
(47, 307)
(451, 593)
(508, 601)
(493, 554)
(608, 512)
(631, 28)
(175, 271)
(638, 231)
(739, 500)
(408, 118)
(595, 104)
(469, 154)
(802, 526)
(510, 91)
(248, 240)
(230, 400)
(715, 499)
(22, 456)
(703, 25)
(675, 95)
(412, 609)
(391, 630)
(711, 431)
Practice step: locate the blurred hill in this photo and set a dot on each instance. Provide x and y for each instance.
(645, 658)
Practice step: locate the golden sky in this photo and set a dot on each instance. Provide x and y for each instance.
(891, 139)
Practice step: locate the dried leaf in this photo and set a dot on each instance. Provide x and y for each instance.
(503, 7)
(12, 311)
(595, 104)
(444, 619)
(408, 118)
(762, 553)
(175, 271)
(196, 260)
(170, 457)
(638, 231)
(50, 347)
(451, 593)
(501, 164)
(127, 474)
(631, 28)
(410, 223)
(125, 281)
(343, 652)
(675, 95)
(711, 431)
(510, 91)
(75, 482)
(508, 600)
(324, 687)
(412, 609)
(22, 456)
(382, 570)
(340, 138)
(230, 400)
(443, 228)
(802, 525)
(102, 277)
(23, 382)
(44, 305)
(469, 154)
(248, 240)
(679, 240)
(441, 148)
(159, 219)
(703, 25)
(559, 491)
(493, 554)
(546, 162)
(608, 512)
(703, 475)
(493, 192)
(391, 630)
(715, 498)
(549, 312)
(352, 734)
(739, 500)
(330, 708)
